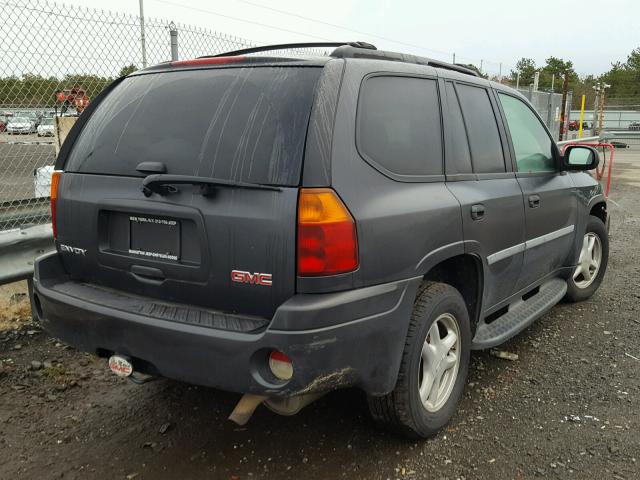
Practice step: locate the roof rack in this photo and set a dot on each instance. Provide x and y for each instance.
(350, 51)
(290, 46)
(354, 50)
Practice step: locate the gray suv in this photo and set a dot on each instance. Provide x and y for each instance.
(364, 219)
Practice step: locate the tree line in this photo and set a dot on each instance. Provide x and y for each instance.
(623, 78)
(37, 91)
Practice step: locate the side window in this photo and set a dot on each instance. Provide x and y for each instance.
(482, 129)
(399, 125)
(460, 159)
(532, 144)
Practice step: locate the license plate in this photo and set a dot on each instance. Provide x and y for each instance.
(154, 237)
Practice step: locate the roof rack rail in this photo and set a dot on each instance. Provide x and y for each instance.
(352, 51)
(288, 46)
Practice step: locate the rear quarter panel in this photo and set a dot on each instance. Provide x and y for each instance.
(404, 228)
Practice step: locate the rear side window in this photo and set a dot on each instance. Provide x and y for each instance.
(238, 124)
(482, 129)
(399, 125)
(459, 161)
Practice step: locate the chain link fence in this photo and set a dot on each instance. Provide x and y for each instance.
(549, 106)
(54, 58)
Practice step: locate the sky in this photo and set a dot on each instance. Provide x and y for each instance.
(590, 33)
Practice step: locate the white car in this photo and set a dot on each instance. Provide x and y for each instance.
(18, 125)
(46, 128)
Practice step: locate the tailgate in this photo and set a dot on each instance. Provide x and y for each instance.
(226, 248)
(185, 248)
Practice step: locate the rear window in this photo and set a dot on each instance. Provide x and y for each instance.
(238, 124)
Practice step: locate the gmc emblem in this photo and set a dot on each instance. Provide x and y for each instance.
(240, 276)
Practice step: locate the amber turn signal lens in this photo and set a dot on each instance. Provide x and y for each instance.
(55, 180)
(327, 238)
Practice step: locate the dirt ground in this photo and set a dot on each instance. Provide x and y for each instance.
(569, 407)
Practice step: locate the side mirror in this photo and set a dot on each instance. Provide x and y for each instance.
(580, 158)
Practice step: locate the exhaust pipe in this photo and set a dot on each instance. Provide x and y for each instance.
(245, 408)
(286, 406)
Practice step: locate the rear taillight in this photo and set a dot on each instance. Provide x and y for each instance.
(55, 180)
(327, 239)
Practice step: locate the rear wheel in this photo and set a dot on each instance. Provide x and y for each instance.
(434, 365)
(592, 262)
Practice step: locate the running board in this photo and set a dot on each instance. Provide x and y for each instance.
(520, 315)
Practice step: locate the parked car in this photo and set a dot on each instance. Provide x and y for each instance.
(46, 128)
(30, 114)
(18, 125)
(574, 125)
(3, 124)
(363, 219)
(634, 126)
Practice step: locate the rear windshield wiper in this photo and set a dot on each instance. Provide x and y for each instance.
(164, 184)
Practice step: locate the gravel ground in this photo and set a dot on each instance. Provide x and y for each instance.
(566, 408)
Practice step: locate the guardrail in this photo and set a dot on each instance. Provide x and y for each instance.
(622, 138)
(579, 140)
(19, 248)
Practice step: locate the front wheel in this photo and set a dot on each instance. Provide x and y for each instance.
(434, 365)
(592, 262)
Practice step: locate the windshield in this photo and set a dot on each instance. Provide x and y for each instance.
(47, 121)
(19, 120)
(236, 124)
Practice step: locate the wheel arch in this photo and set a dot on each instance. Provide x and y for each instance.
(599, 209)
(456, 271)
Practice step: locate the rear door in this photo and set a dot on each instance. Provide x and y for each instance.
(549, 194)
(488, 192)
(225, 248)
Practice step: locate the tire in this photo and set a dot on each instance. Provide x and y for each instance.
(402, 410)
(579, 287)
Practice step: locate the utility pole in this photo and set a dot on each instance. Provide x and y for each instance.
(142, 40)
(173, 32)
(454, 58)
(536, 81)
(598, 108)
(518, 80)
(563, 115)
(594, 117)
(500, 73)
(481, 66)
(553, 80)
(601, 119)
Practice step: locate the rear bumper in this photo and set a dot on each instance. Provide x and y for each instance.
(352, 338)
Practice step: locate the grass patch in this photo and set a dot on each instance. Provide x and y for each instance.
(15, 308)
(13, 314)
(56, 373)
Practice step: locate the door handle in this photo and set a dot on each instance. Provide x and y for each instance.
(477, 211)
(150, 275)
(534, 201)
